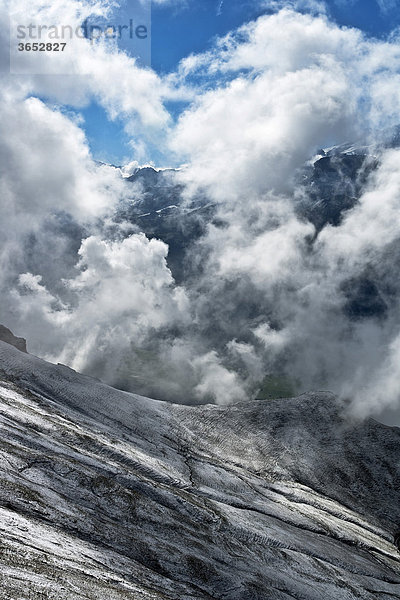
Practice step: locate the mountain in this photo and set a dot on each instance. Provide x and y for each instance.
(161, 211)
(110, 495)
(7, 336)
(326, 189)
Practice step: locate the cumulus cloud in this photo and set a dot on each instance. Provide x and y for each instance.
(48, 168)
(263, 290)
(86, 71)
(287, 84)
(292, 79)
(47, 175)
(122, 291)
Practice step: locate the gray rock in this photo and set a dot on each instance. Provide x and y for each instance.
(7, 336)
(110, 495)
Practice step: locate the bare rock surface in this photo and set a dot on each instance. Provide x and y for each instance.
(7, 336)
(113, 496)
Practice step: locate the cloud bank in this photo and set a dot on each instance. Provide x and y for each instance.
(265, 291)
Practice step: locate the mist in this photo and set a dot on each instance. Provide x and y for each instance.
(260, 284)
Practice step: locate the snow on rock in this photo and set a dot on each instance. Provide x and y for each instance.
(110, 495)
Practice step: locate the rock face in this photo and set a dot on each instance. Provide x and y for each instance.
(109, 495)
(9, 338)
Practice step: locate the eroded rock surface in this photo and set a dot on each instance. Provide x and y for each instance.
(113, 496)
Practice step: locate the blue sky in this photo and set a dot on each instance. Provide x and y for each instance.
(178, 31)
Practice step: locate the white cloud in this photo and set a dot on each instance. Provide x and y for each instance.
(88, 71)
(267, 299)
(121, 292)
(294, 83)
(373, 224)
(216, 382)
(48, 167)
(250, 135)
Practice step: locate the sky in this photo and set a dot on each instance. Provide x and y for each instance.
(242, 96)
(191, 26)
(179, 31)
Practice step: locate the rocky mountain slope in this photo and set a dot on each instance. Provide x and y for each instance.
(110, 495)
(7, 336)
